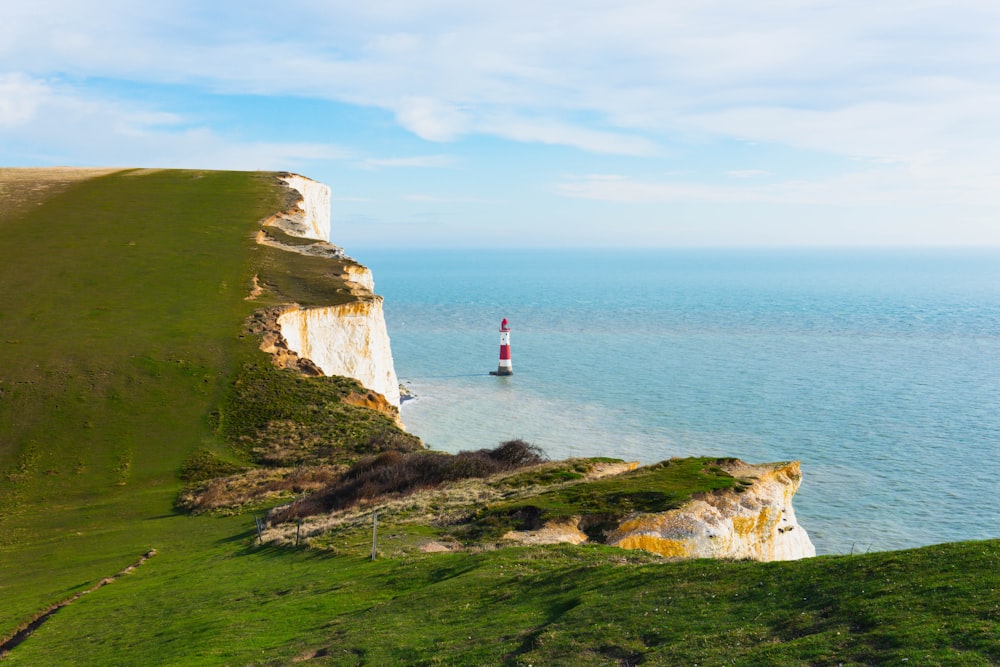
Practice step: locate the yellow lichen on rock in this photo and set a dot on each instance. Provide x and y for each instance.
(743, 525)
(657, 545)
(756, 521)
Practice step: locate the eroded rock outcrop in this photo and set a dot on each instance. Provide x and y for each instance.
(753, 521)
(348, 339)
(311, 217)
(756, 523)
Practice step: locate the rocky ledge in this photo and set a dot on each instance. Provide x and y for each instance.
(754, 520)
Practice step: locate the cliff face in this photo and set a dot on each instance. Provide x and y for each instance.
(758, 523)
(312, 219)
(348, 339)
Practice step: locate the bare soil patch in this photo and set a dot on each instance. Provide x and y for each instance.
(22, 188)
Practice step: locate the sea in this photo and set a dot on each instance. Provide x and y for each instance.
(879, 370)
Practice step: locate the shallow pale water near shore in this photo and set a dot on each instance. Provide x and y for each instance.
(879, 370)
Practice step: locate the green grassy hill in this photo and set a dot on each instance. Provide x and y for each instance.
(123, 359)
(122, 318)
(122, 301)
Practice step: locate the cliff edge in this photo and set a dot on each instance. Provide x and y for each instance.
(755, 522)
(681, 508)
(348, 338)
(752, 520)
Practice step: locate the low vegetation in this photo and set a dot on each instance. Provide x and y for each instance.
(604, 502)
(471, 500)
(302, 279)
(288, 435)
(394, 474)
(205, 464)
(277, 417)
(227, 602)
(126, 373)
(255, 489)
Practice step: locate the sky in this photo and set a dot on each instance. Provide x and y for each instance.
(550, 123)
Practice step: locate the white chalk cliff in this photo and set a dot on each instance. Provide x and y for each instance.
(347, 339)
(312, 220)
(758, 523)
(755, 521)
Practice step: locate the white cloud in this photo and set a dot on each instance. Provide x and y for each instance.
(432, 119)
(566, 134)
(747, 173)
(627, 191)
(877, 186)
(429, 199)
(436, 199)
(20, 97)
(908, 89)
(803, 73)
(432, 161)
(59, 124)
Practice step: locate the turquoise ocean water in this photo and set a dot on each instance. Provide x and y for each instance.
(879, 370)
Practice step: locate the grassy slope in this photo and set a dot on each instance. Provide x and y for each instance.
(108, 383)
(122, 298)
(225, 602)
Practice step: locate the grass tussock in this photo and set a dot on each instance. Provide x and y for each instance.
(394, 473)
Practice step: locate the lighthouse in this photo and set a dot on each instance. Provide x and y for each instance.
(504, 367)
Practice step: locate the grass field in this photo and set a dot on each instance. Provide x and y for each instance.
(122, 301)
(214, 598)
(121, 317)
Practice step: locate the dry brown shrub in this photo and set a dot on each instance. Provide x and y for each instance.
(395, 473)
(256, 486)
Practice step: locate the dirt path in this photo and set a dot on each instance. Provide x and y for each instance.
(25, 629)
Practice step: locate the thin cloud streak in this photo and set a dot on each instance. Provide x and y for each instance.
(418, 161)
(874, 187)
(436, 199)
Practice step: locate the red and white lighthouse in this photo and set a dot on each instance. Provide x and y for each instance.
(504, 368)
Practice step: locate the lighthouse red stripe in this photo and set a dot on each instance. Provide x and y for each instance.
(505, 351)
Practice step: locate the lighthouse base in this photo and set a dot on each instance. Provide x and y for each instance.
(502, 371)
